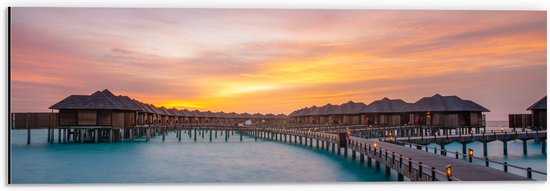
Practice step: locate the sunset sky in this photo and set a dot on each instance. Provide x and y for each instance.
(277, 61)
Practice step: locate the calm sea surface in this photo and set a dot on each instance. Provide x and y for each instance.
(180, 162)
(212, 162)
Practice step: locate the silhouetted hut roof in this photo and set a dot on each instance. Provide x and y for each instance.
(199, 113)
(221, 114)
(144, 108)
(180, 113)
(327, 109)
(192, 113)
(245, 115)
(157, 110)
(296, 113)
(386, 105)
(351, 107)
(152, 108)
(174, 112)
(541, 104)
(233, 115)
(208, 114)
(186, 113)
(96, 101)
(122, 102)
(281, 116)
(444, 103)
(313, 110)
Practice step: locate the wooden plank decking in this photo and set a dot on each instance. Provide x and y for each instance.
(462, 170)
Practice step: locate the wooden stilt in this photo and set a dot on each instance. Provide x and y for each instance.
(59, 136)
(81, 135)
(28, 136)
(49, 135)
(163, 133)
(96, 135)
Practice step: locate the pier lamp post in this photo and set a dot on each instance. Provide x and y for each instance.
(449, 169)
(375, 145)
(470, 154)
(501, 130)
(391, 136)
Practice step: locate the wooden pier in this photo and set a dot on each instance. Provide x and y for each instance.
(484, 138)
(414, 164)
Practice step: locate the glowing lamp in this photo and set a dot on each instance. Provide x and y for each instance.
(375, 144)
(470, 154)
(449, 170)
(501, 129)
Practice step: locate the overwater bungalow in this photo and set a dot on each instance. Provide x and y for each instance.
(538, 113)
(145, 115)
(446, 112)
(282, 118)
(97, 110)
(385, 112)
(350, 112)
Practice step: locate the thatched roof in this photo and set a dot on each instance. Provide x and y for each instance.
(245, 115)
(107, 100)
(328, 109)
(541, 104)
(96, 101)
(198, 113)
(174, 112)
(444, 103)
(122, 102)
(143, 107)
(190, 113)
(208, 114)
(351, 107)
(386, 105)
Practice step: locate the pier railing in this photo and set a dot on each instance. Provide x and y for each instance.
(413, 169)
(528, 171)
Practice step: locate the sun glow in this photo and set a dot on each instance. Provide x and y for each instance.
(181, 104)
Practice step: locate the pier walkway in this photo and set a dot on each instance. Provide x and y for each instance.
(416, 165)
(484, 138)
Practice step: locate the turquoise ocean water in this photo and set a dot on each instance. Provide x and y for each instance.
(213, 162)
(181, 162)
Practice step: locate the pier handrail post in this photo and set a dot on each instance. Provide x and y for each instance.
(400, 160)
(410, 165)
(392, 158)
(420, 170)
(433, 173)
(456, 154)
(505, 165)
(529, 173)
